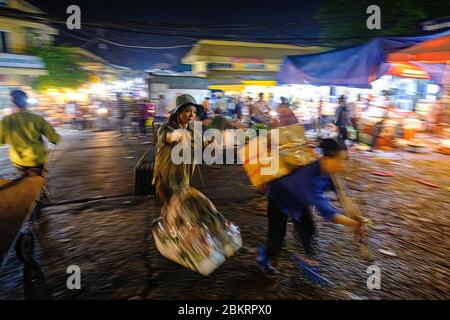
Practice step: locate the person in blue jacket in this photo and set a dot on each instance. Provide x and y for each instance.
(294, 195)
(342, 119)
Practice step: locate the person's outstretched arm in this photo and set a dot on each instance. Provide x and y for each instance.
(330, 213)
(49, 132)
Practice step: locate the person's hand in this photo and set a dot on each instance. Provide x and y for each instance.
(175, 136)
(360, 231)
(178, 136)
(262, 189)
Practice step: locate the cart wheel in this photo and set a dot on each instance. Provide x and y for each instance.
(25, 247)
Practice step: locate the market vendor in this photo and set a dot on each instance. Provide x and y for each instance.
(389, 113)
(286, 116)
(294, 195)
(185, 210)
(169, 177)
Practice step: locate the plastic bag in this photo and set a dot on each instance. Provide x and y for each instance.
(194, 234)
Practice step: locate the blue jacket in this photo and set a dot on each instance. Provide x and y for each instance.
(302, 188)
(342, 119)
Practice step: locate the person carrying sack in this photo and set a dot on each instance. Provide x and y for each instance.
(191, 231)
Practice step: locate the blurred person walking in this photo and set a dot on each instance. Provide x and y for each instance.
(342, 119)
(143, 116)
(207, 106)
(161, 110)
(71, 112)
(160, 116)
(250, 106)
(221, 104)
(122, 112)
(319, 117)
(238, 108)
(206, 103)
(261, 105)
(286, 116)
(135, 115)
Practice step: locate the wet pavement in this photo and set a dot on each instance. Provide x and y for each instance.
(96, 223)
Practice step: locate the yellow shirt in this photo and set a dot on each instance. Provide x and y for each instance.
(23, 131)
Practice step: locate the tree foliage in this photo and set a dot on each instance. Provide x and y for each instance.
(343, 22)
(64, 70)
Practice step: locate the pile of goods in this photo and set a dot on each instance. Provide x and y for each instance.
(291, 152)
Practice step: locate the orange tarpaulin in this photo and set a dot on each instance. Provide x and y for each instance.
(435, 50)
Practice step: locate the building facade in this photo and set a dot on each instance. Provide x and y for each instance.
(234, 64)
(17, 69)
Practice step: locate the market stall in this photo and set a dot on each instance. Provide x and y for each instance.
(382, 119)
(432, 57)
(353, 67)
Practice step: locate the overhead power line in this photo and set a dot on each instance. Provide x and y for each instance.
(186, 31)
(146, 47)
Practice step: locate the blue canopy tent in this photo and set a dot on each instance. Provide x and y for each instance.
(351, 67)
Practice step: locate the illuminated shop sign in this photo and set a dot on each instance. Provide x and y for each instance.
(236, 66)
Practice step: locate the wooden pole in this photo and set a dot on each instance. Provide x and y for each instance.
(351, 210)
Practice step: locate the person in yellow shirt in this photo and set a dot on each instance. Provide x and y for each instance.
(23, 132)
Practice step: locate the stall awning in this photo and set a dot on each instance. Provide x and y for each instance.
(353, 67)
(435, 50)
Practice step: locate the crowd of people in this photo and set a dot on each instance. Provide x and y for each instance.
(124, 113)
(127, 113)
(291, 196)
(242, 112)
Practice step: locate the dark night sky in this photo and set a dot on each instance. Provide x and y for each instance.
(189, 11)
